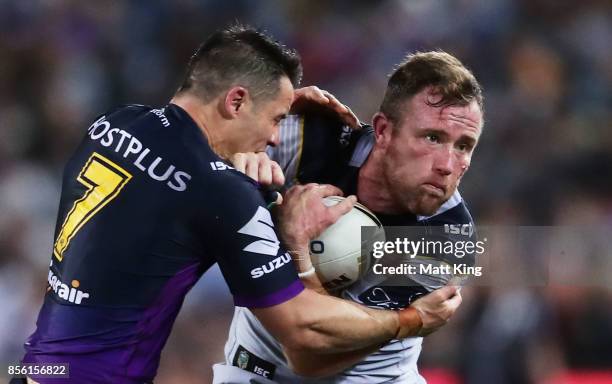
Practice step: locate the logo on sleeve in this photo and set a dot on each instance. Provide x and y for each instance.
(69, 293)
(271, 266)
(248, 361)
(345, 136)
(261, 226)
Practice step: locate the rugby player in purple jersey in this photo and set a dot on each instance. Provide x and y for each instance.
(149, 202)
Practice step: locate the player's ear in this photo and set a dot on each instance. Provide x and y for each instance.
(234, 101)
(383, 128)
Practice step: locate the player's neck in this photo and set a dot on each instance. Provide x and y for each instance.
(207, 119)
(372, 187)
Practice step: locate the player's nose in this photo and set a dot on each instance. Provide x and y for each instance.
(444, 162)
(274, 139)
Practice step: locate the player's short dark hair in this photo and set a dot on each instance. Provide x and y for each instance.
(240, 55)
(446, 74)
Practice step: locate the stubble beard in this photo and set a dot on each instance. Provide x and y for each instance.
(426, 204)
(412, 199)
(408, 198)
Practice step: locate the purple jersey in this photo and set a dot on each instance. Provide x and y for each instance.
(146, 208)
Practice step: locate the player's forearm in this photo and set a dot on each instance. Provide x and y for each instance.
(368, 327)
(325, 324)
(313, 364)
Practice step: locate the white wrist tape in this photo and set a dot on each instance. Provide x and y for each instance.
(307, 273)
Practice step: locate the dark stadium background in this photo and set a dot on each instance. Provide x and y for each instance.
(545, 157)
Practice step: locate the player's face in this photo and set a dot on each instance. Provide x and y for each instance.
(263, 126)
(429, 151)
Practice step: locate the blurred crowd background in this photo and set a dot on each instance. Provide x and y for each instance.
(545, 157)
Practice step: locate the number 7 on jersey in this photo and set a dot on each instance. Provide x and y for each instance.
(104, 180)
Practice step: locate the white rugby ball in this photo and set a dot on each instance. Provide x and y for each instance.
(337, 253)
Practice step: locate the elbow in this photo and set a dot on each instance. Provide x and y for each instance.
(299, 325)
(309, 372)
(300, 370)
(307, 365)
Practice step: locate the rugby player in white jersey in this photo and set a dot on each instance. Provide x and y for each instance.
(406, 168)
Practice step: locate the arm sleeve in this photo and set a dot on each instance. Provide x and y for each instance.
(256, 267)
(288, 153)
(314, 147)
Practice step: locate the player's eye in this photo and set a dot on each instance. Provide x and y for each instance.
(279, 118)
(464, 147)
(433, 138)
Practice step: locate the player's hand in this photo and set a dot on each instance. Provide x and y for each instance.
(313, 95)
(429, 312)
(259, 167)
(303, 217)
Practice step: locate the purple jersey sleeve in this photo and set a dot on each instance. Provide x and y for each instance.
(256, 266)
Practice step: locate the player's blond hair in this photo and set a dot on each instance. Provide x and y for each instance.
(451, 80)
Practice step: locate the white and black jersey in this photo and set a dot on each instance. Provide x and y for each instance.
(319, 148)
